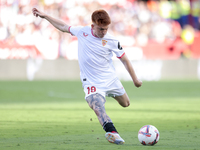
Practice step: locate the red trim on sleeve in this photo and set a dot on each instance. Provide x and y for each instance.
(121, 56)
(69, 29)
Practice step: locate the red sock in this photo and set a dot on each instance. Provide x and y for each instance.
(114, 132)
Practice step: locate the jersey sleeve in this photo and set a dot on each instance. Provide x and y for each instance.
(118, 50)
(74, 30)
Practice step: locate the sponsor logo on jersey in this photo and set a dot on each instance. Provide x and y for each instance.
(119, 46)
(104, 42)
(85, 35)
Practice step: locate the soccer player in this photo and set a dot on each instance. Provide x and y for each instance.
(95, 50)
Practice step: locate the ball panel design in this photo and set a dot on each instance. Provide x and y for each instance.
(148, 135)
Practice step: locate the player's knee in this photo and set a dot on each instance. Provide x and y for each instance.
(126, 104)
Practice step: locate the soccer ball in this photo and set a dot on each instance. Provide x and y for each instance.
(148, 135)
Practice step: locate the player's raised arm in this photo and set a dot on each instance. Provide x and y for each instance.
(131, 71)
(60, 25)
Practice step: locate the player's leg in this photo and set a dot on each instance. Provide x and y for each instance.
(118, 92)
(123, 100)
(97, 103)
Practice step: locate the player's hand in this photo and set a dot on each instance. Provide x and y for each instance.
(37, 13)
(138, 83)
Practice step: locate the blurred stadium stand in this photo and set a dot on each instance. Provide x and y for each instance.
(161, 29)
(147, 29)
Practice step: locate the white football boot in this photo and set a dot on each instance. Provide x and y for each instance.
(114, 138)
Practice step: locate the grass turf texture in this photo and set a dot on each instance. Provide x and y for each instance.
(53, 115)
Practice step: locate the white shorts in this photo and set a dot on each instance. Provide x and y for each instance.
(115, 89)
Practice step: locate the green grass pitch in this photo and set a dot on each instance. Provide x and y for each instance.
(53, 115)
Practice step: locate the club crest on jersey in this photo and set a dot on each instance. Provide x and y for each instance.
(104, 42)
(85, 35)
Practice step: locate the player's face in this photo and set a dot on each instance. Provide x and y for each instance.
(99, 31)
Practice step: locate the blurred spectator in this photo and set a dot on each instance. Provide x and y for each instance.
(184, 6)
(188, 35)
(175, 11)
(195, 12)
(165, 9)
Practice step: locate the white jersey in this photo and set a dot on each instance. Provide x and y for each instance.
(95, 56)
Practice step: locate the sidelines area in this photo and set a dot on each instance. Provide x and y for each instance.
(62, 69)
